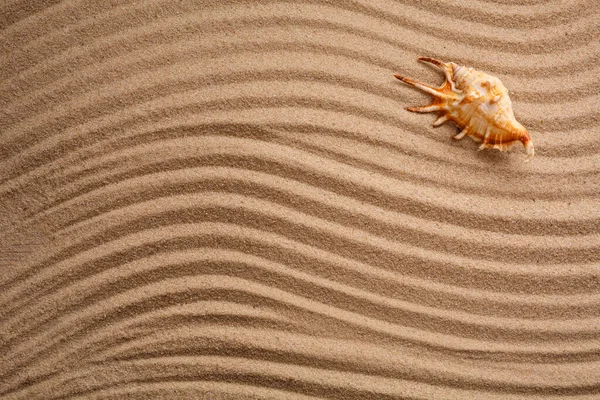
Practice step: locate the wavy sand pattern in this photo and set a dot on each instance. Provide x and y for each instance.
(226, 200)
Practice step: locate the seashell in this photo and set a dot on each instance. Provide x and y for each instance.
(478, 103)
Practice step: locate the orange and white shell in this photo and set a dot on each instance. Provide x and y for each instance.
(478, 103)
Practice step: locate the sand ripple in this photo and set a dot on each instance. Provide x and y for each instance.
(226, 200)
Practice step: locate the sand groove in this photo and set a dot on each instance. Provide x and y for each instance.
(226, 200)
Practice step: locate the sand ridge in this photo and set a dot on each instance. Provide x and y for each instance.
(226, 200)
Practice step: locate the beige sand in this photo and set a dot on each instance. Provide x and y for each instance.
(226, 200)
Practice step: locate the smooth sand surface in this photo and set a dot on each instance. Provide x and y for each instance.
(227, 200)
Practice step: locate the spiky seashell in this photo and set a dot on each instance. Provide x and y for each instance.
(478, 103)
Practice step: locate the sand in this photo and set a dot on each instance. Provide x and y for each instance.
(227, 200)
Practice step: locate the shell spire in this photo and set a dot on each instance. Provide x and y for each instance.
(477, 103)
